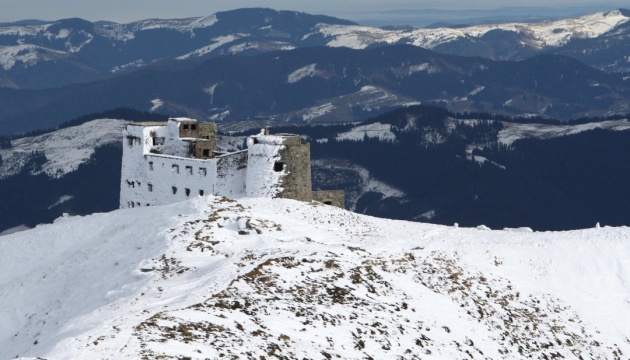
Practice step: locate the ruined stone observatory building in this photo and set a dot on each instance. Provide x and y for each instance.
(172, 161)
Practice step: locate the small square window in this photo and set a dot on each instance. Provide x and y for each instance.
(174, 190)
(193, 127)
(200, 192)
(203, 171)
(189, 170)
(150, 187)
(175, 169)
(130, 141)
(206, 152)
(187, 192)
(278, 166)
(150, 165)
(185, 126)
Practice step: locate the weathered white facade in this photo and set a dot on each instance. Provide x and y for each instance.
(173, 161)
(159, 166)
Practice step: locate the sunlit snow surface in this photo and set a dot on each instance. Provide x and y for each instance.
(64, 149)
(550, 33)
(514, 131)
(212, 278)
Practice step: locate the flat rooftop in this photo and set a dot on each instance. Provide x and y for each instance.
(148, 123)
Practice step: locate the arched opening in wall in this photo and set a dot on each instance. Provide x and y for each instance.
(278, 166)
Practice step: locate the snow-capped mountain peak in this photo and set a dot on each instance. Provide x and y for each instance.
(545, 34)
(76, 43)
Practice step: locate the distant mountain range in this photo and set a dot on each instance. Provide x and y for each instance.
(36, 54)
(322, 84)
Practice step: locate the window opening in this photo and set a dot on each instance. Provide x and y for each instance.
(206, 152)
(187, 192)
(200, 192)
(185, 126)
(203, 171)
(278, 166)
(189, 170)
(150, 187)
(158, 141)
(175, 169)
(328, 202)
(174, 190)
(193, 127)
(150, 165)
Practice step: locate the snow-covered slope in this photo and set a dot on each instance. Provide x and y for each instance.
(253, 278)
(539, 35)
(65, 149)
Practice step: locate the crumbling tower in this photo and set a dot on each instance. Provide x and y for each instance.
(279, 165)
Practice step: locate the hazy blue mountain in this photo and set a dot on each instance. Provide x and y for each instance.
(35, 54)
(320, 84)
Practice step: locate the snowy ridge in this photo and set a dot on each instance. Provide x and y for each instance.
(546, 34)
(514, 131)
(218, 42)
(65, 149)
(26, 54)
(301, 73)
(377, 130)
(213, 277)
(126, 32)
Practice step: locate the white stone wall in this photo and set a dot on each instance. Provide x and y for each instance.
(262, 180)
(231, 174)
(171, 179)
(149, 179)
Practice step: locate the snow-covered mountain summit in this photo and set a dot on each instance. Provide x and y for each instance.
(75, 50)
(537, 35)
(253, 278)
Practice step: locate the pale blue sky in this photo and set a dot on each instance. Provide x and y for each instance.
(130, 10)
